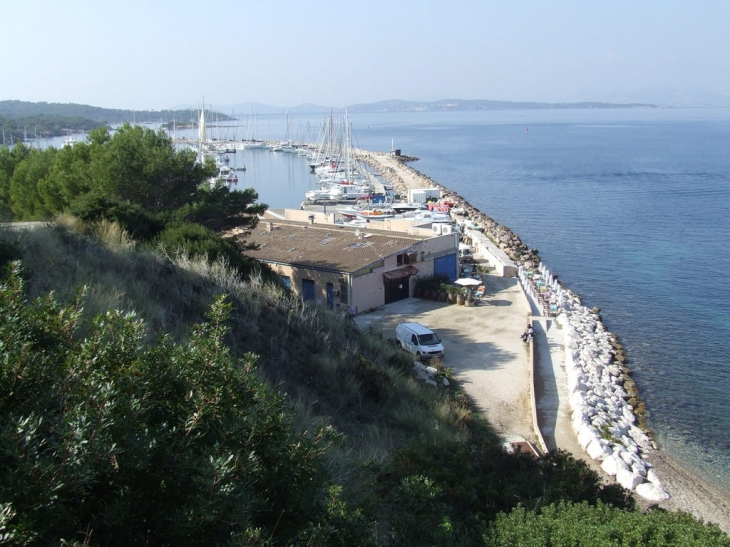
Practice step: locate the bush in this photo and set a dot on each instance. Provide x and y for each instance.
(138, 223)
(196, 240)
(9, 252)
(583, 525)
(108, 442)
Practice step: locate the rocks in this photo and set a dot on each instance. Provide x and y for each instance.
(652, 492)
(600, 392)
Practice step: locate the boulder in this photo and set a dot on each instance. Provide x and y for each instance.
(610, 465)
(587, 434)
(652, 492)
(598, 450)
(628, 479)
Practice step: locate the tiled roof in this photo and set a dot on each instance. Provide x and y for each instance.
(327, 247)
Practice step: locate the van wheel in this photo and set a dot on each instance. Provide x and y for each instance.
(418, 356)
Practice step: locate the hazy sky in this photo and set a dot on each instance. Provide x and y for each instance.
(157, 54)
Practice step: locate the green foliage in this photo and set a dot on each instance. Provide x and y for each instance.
(24, 198)
(24, 109)
(9, 251)
(470, 483)
(112, 442)
(196, 240)
(139, 223)
(142, 166)
(220, 209)
(432, 282)
(584, 525)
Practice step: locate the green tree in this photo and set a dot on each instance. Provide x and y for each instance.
(69, 177)
(142, 166)
(9, 159)
(220, 209)
(25, 199)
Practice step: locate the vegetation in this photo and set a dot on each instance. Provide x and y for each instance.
(20, 119)
(160, 389)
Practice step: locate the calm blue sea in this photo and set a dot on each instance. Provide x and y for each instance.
(631, 208)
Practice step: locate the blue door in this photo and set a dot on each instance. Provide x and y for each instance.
(307, 289)
(330, 297)
(446, 265)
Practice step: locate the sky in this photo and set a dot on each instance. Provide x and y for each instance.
(158, 54)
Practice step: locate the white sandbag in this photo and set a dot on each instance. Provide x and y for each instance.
(598, 450)
(639, 469)
(628, 479)
(586, 434)
(652, 492)
(610, 465)
(652, 477)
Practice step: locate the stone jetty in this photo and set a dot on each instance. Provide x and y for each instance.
(608, 415)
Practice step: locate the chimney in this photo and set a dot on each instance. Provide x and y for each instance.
(311, 219)
(269, 226)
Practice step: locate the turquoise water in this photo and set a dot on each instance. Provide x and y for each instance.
(631, 208)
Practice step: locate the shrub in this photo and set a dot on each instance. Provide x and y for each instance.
(111, 442)
(196, 240)
(138, 223)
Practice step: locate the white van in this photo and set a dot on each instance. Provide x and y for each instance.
(465, 253)
(420, 341)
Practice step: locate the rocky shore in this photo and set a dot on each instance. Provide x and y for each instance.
(609, 416)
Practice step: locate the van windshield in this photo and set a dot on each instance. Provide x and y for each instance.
(428, 339)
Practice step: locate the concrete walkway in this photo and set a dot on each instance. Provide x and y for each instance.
(483, 347)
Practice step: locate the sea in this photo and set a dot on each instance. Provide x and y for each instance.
(629, 207)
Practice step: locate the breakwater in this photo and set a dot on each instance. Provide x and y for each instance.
(608, 415)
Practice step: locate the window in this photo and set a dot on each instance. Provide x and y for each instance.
(429, 339)
(285, 280)
(406, 258)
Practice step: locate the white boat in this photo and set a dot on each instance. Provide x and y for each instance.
(428, 216)
(376, 214)
(349, 192)
(402, 207)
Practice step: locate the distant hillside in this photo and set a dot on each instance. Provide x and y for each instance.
(21, 109)
(444, 105)
(455, 105)
(667, 96)
(22, 119)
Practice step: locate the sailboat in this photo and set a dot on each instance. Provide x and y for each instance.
(202, 136)
(252, 142)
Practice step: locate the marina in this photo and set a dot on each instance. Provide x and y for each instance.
(463, 171)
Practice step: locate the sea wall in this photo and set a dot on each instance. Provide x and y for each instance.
(501, 236)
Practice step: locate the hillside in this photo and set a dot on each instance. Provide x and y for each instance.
(22, 119)
(405, 461)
